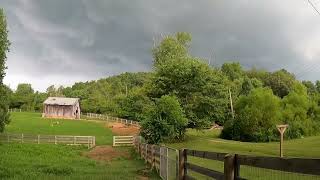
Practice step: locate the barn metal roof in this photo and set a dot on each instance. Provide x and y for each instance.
(61, 101)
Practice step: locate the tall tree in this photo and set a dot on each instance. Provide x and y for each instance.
(4, 48)
(199, 88)
(281, 82)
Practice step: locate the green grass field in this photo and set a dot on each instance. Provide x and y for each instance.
(33, 123)
(209, 141)
(308, 147)
(33, 161)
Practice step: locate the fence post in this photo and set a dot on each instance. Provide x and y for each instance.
(177, 163)
(74, 140)
(182, 164)
(146, 154)
(89, 142)
(153, 158)
(22, 138)
(229, 167)
(38, 139)
(167, 158)
(114, 141)
(55, 139)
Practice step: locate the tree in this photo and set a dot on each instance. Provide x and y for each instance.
(52, 91)
(23, 97)
(311, 88)
(172, 48)
(165, 120)
(134, 104)
(232, 70)
(318, 86)
(201, 90)
(296, 106)
(256, 119)
(4, 48)
(249, 84)
(281, 82)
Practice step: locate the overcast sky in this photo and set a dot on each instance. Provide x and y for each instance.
(64, 41)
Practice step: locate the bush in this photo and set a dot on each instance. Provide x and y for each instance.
(165, 120)
(257, 117)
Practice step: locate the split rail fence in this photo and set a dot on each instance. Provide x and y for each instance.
(172, 164)
(89, 141)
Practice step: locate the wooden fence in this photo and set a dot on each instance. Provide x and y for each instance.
(173, 164)
(163, 159)
(89, 141)
(233, 162)
(108, 118)
(123, 140)
(94, 116)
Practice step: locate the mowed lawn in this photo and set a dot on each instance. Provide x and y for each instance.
(33, 123)
(48, 161)
(209, 140)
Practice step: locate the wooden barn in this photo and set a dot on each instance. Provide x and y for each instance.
(60, 107)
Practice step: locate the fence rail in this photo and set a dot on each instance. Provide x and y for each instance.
(89, 141)
(233, 162)
(94, 116)
(109, 118)
(173, 164)
(123, 140)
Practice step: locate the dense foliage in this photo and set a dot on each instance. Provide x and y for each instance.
(165, 120)
(183, 91)
(4, 48)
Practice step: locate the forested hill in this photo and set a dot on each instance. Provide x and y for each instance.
(184, 91)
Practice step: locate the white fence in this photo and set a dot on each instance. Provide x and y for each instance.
(109, 118)
(14, 110)
(89, 141)
(123, 140)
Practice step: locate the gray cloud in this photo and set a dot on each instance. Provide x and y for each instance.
(60, 42)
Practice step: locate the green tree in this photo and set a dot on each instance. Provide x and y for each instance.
(281, 82)
(164, 121)
(232, 70)
(257, 117)
(249, 84)
(201, 90)
(23, 97)
(4, 48)
(134, 104)
(296, 106)
(311, 88)
(172, 48)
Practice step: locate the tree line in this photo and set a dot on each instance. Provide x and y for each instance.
(183, 91)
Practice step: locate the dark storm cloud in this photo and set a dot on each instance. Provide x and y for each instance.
(60, 42)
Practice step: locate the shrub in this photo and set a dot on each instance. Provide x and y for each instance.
(164, 121)
(257, 117)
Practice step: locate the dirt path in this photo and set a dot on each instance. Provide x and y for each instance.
(123, 130)
(105, 153)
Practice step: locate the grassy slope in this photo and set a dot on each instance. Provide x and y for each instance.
(33, 161)
(208, 141)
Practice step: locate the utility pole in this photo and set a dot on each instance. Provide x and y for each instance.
(231, 105)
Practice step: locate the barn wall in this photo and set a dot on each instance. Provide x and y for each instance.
(56, 111)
